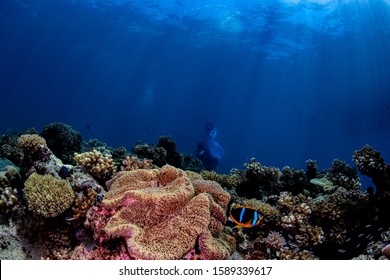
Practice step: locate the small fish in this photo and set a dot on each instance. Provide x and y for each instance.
(89, 127)
(244, 216)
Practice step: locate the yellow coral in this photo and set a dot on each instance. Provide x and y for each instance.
(98, 165)
(47, 196)
(32, 144)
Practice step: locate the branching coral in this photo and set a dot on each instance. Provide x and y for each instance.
(10, 183)
(258, 180)
(295, 220)
(47, 196)
(82, 203)
(134, 163)
(98, 165)
(369, 161)
(34, 147)
(371, 164)
(163, 215)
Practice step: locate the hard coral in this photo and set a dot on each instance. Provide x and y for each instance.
(62, 140)
(163, 215)
(34, 147)
(153, 152)
(134, 163)
(47, 196)
(229, 182)
(369, 161)
(98, 165)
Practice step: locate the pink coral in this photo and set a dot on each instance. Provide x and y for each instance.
(162, 214)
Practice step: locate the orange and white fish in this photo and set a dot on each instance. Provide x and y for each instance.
(244, 216)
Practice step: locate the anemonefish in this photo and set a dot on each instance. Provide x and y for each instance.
(244, 216)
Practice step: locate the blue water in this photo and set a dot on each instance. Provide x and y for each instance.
(283, 80)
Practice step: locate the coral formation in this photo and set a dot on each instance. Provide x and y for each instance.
(62, 140)
(82, 203)
(9, 148)
(134, 163)
(47, 196)
(163, 215)
(324, 185)
(311, 169)
(370, 163)
(165, 153)
(229, 182)
(10, 189)
(100, 166)
(34, 147)
(155, 153)
(149, 212)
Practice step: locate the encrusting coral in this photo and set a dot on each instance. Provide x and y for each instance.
(47, 196)
(162, 214)
(98, 165)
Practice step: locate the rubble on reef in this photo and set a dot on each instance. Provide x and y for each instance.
(63, 198)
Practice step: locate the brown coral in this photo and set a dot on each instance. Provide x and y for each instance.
(134, 163)
(82, 203)
(34, 147)
(162, 214)
(47, 196)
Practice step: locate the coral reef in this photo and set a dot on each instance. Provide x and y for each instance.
(165, 153)
(47, 196)
(34, 147)
(62, 140)
(155, 153)
(134, 163)
(150, 210)
(84, 201)
(10, 189)
(229, 182)
(311, 169)
(163, 215)
(172, 156)
(323, 185)
(9, 148)
(370, 163)
(100, 166)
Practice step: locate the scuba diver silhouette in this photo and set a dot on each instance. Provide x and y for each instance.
(209, 151)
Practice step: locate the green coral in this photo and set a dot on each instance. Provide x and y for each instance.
(47, 196)
(324, 184)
